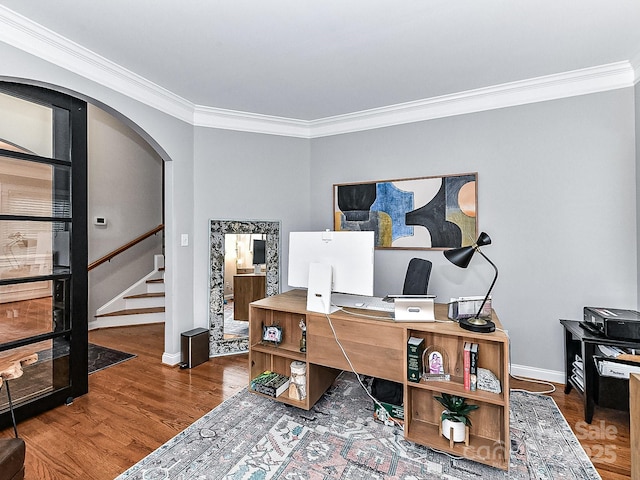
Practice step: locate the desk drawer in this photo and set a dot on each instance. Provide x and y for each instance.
(374, 348)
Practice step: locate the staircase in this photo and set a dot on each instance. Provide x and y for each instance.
(142, 303)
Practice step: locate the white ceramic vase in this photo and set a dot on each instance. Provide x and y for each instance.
(459, 432)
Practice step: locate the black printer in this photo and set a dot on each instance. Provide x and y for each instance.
(613, 322)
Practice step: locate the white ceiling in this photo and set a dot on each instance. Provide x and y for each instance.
(307, 61)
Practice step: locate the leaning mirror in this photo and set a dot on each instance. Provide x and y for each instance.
(233, 237)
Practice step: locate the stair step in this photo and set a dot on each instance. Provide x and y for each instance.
(146, 295)
(133, 311)
(156, 280)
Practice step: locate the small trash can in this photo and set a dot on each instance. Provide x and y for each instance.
(195, 347)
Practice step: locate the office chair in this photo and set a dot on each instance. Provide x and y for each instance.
(416, 279)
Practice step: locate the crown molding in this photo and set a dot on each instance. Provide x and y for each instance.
(212, 117)
(26, 35)
(540, 89)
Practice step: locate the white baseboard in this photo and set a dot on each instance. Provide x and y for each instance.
(554, 376)
(171, 358)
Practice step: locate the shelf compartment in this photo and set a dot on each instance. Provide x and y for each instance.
(481, 449)
(288, 321)
(492, 353)
(488, 433)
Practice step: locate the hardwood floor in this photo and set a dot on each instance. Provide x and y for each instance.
(606, 440)
(134, 407)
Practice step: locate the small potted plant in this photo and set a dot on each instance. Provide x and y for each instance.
(455, 416)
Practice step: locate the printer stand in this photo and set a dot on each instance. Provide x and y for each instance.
(580, 342)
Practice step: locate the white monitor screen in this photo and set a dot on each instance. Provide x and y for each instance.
(350, 255)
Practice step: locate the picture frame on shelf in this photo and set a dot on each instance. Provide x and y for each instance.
(435, 364)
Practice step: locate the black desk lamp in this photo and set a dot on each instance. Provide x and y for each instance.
(461, 258)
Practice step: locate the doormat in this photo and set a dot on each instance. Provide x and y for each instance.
(102, 357)
(252, 437)
(99, 357)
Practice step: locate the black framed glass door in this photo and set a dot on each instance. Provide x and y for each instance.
(43, 246)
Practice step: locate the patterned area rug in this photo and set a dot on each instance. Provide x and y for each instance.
(253, 438)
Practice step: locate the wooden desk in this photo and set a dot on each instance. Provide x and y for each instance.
(246, 289)
(378, 348)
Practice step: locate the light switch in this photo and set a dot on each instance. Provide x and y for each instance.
(184, 240)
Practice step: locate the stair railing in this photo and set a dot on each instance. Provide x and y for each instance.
(125, 247)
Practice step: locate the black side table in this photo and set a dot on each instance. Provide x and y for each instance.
(581, 342)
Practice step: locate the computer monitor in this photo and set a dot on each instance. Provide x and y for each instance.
(325, 262)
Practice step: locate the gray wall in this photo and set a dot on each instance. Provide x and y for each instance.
(125, 187)
(246, 176)
(557, 195)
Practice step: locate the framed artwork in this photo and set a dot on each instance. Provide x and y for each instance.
(415, 213)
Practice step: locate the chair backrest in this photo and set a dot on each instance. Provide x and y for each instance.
(416, 281)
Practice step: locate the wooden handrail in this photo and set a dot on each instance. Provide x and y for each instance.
(125, 247)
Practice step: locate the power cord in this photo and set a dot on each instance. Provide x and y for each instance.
(552, 387)
(344, 353)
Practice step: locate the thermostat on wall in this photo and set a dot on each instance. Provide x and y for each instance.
(100, 221)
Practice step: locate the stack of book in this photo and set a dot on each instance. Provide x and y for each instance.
(470, 364)
(270, 383)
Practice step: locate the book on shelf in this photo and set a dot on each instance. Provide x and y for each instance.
(415, 349)
(270, 383)
(473, 367)
(466, 365)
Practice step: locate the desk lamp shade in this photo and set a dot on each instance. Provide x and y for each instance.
(461, 258)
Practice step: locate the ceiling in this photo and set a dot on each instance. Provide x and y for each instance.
(297, 59)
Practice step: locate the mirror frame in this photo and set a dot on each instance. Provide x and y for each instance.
(218, 345)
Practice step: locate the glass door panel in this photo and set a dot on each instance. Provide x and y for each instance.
(49, 373)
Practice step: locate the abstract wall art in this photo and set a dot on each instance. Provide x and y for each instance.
(416, 213)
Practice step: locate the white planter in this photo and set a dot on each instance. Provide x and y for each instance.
(459, 431)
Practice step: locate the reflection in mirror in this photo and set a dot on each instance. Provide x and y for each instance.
(244, 280)
(232, 259)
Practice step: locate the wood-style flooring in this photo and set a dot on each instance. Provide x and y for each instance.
(136, 406)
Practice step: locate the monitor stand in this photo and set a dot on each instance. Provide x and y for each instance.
(319, 288)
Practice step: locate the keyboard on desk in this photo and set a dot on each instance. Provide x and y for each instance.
(361, 301)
